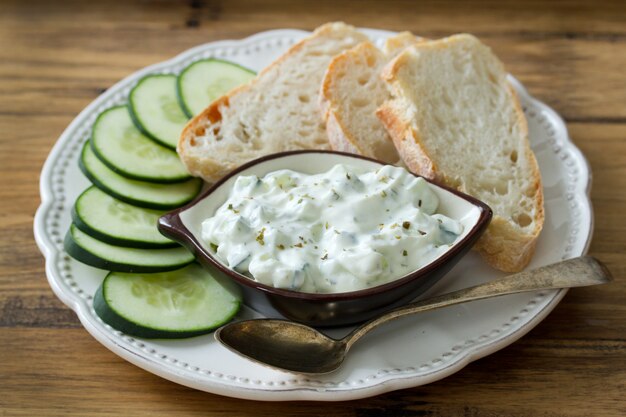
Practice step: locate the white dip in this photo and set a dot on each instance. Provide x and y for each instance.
(343, 230)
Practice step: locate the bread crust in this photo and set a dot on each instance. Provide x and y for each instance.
(205, 167)
(395, 44)
(501, 246)
(342, 136)
(339, 136)
(407, 142)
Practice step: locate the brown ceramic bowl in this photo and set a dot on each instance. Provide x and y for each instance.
(184, 226)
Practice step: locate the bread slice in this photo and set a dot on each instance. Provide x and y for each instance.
(397, 43)
(454, 118)
(276, 111)
(351, 92)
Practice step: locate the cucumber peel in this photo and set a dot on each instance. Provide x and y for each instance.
(178, 304)
(122, 147)
(113, 221)
(155, 109)
(93, 252)
(205, 80)
(139, 193)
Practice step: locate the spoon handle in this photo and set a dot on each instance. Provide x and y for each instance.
(576, 272)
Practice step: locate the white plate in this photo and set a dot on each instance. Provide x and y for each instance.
(410, 352)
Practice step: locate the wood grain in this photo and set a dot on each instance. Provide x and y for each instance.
(56, 57)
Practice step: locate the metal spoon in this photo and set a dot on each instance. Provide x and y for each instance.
(295, 347)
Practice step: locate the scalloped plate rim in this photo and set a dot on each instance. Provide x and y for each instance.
(105, 337)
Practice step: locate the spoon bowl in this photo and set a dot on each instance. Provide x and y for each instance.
(295, 347)
(283, 344)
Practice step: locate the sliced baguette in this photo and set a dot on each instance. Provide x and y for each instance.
(276, 111)
(351, 92)
(455, 118)
(397, 43)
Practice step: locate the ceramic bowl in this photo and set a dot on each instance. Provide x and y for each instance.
(322, 310)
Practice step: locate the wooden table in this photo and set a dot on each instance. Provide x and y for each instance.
(56, 57)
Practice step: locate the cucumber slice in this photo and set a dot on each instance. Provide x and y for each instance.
(155, 109)
(206, 80)
(123, 148)
(118, 223)
(91, 251)
(139, 193)
(178, 304)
